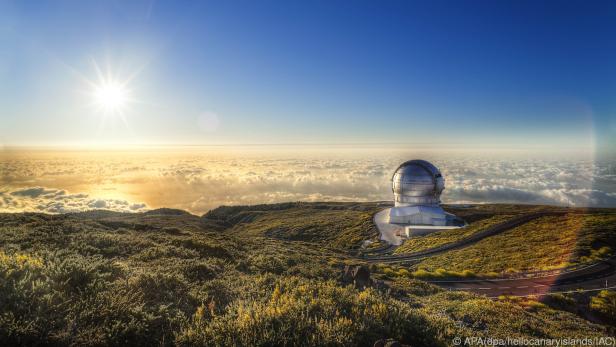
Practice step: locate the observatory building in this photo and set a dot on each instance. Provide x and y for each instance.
(417, 187)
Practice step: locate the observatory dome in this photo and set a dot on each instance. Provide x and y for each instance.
(417, 182)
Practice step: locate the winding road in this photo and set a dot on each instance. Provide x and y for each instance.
(491, 231)
(595, 277)
(599, 276)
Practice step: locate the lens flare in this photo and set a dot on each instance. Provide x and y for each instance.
(111, 96)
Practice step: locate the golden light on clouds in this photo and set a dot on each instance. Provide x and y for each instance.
(201, 178)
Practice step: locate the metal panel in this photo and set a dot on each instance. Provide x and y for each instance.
(417, 182)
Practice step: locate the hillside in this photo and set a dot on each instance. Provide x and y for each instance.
(546, 243)
(338, 225)
(254, 275)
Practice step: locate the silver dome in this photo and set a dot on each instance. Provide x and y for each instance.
(417, 182)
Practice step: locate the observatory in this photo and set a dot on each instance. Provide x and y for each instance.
(417, 187)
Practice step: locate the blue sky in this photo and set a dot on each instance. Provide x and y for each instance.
(519, 74)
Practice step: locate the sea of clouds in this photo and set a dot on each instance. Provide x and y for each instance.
(195, 181)
(51, 200)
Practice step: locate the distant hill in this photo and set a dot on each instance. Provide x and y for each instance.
(167, 212)
(342, 225)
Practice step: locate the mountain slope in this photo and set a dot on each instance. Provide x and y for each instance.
(174, 278)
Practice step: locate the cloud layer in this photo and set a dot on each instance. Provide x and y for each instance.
(198, 181)
(39, 199)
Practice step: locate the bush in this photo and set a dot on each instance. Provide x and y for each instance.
(605, 304)
(442, 273)
(303, 313)
(68, 299)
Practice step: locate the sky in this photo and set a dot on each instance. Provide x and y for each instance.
(529, 75)
(133, 105)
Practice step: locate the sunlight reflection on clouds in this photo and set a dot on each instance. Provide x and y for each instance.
(197, 180)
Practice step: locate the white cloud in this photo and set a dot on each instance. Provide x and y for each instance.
(49, 200)
(199, 181)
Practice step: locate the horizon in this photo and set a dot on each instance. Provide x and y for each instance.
(199, 178)
(353, 172)
(192, 105)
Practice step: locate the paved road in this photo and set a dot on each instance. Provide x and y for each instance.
(491, 231)
(596, 277)
(592, 278)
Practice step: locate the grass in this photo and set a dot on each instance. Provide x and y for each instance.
(546, 243)
(398, 271)
(480, 317)
(329, 224)
(165, 278)
(604, 304)
(439, 238)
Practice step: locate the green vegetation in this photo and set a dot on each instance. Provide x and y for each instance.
(439, 238)
(398, 271)
(605, 304)
(546, 243)
(337, 225)
(305, 312)
(474, 213)
(442, 273)
(511, 319)
(170, 278)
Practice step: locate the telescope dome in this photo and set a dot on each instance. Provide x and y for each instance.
(417, 182)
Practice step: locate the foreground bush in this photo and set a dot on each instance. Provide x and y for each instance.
(71, 300)
(605, 304)
(301, 312)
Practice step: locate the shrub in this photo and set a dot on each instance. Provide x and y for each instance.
(442, 273)
(65, 299)
(605, 304)
(304, 313)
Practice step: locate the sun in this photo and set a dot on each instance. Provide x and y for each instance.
(109, 93)
(111, 96)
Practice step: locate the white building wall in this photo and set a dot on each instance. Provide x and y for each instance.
(418, 215)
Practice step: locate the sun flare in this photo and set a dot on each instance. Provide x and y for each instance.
(110, 93)
(111, 96)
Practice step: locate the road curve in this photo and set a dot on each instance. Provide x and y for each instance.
(596, 277)
(491, 231)
(591, 278)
